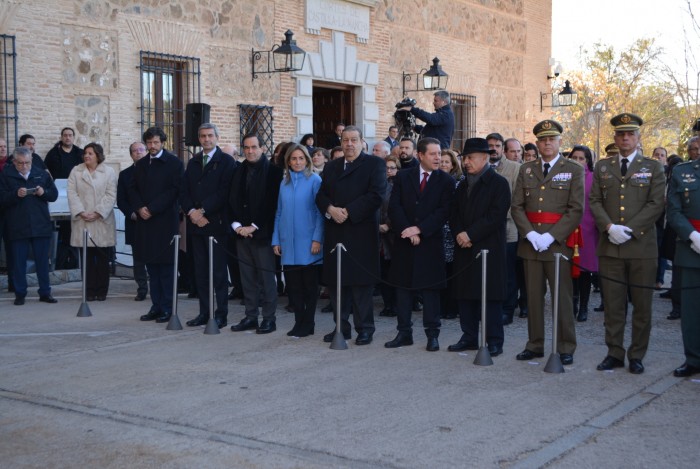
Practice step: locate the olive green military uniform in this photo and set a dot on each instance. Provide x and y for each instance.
(684, 207)
(635, 201)
(560, 192)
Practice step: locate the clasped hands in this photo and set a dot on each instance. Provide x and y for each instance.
(540, 242)
(619, 234)
(339, 215)
(245, 231)
(412, 233)
(463, 240)
(197, 217)
(89, 216)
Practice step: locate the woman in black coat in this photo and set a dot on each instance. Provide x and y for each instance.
(478, 221)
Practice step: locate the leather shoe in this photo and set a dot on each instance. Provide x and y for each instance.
(666, 294)
(433, 344)
(507, 319)
(19, 300)
(388, 312)
(140, 297)
(636, 367)
(566, 358)
(245, 325)
(523, 313)
(150, 316)
(674, 315)
(328, 338)
(400, 340)
(363, 338)
(599, 309)
(495, 350)
(609, 363)
(686, 370)
(235, 295)
(266, 326)
(417, 306)
(165, 317)
(528, 355)
(220, 322)
(198, 321)
(48, 299)
(461, 346)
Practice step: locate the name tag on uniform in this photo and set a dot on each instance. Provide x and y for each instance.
(561, 177)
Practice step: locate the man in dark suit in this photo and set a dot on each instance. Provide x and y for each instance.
(393, 138)
(153, 193)
(478, 221)
(626, 198)
(350, 196)
(204, 200)
(137, 150)
(334, 140)
(255, 187)
(547, 207)
(418, 209)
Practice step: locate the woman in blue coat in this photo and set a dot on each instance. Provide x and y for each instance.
(298, 236)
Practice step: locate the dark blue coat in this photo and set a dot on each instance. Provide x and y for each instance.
(482, 214)
(125, 207)
(27, 217)
(208, 188)
(422, 265)
(156, 185)
(439, 125)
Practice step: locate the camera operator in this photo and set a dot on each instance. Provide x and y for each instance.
(441, 123)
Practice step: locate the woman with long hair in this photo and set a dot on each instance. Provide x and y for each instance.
(298, 236)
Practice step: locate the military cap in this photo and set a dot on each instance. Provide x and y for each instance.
(611, 149)
(626, 121)
(547, 128)
(696, 126)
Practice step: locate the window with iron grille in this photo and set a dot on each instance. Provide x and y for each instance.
(258, 120)
(168, 84)
(8, 91)
(464, 109)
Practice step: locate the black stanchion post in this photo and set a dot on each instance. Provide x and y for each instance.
(212, 328)
(339, 342)
(84, 309)
(174, 323)
(483, 357)
(554, 364)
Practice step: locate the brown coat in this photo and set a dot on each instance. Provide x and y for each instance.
(92, 193)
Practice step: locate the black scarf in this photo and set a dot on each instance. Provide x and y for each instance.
(252, 189)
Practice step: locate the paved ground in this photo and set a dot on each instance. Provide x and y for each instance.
(109, 391)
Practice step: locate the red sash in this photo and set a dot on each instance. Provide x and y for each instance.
(695, 223)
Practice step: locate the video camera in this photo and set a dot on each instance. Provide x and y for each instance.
(405, 121)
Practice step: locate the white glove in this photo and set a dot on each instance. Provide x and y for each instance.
(618, 234)
(544, 242)
(695, 241)
(533, 237)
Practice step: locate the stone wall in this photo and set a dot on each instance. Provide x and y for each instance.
(78, 65)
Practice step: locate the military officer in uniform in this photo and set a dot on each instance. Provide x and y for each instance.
(626, 198)
(683, 214)
(547, 208)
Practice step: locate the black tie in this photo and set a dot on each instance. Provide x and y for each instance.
(623, 167)
(546, 169)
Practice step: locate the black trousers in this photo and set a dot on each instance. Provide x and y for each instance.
(470, 316)
(97, 264)
(431, 311)
(357, 298)
(200, 254)
(302, 288)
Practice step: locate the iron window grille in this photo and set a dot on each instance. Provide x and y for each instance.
(8, 90)
(464, 109)
(258, 120)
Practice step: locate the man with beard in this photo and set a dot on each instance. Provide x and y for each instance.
(407, 153)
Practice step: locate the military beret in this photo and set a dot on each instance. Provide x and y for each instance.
(626, 121)
(611, 149)
(547, 128)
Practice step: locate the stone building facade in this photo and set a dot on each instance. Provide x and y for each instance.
(79, 63)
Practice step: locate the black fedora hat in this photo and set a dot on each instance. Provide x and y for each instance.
(476, 145)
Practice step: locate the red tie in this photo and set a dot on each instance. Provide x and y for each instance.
(424, 181)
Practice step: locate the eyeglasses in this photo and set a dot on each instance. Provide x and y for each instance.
(22, 163)
(391, 168)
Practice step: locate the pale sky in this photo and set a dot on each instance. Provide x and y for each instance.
(619, 23)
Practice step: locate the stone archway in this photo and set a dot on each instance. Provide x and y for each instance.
(337, 62)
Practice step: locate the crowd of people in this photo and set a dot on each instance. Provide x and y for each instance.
(412, 220)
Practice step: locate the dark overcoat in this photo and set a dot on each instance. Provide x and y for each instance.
(358, 189)
(422, 265)
(28, 216)
(156, 185)
(123, 204)
(482, 214)
(208, 188)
